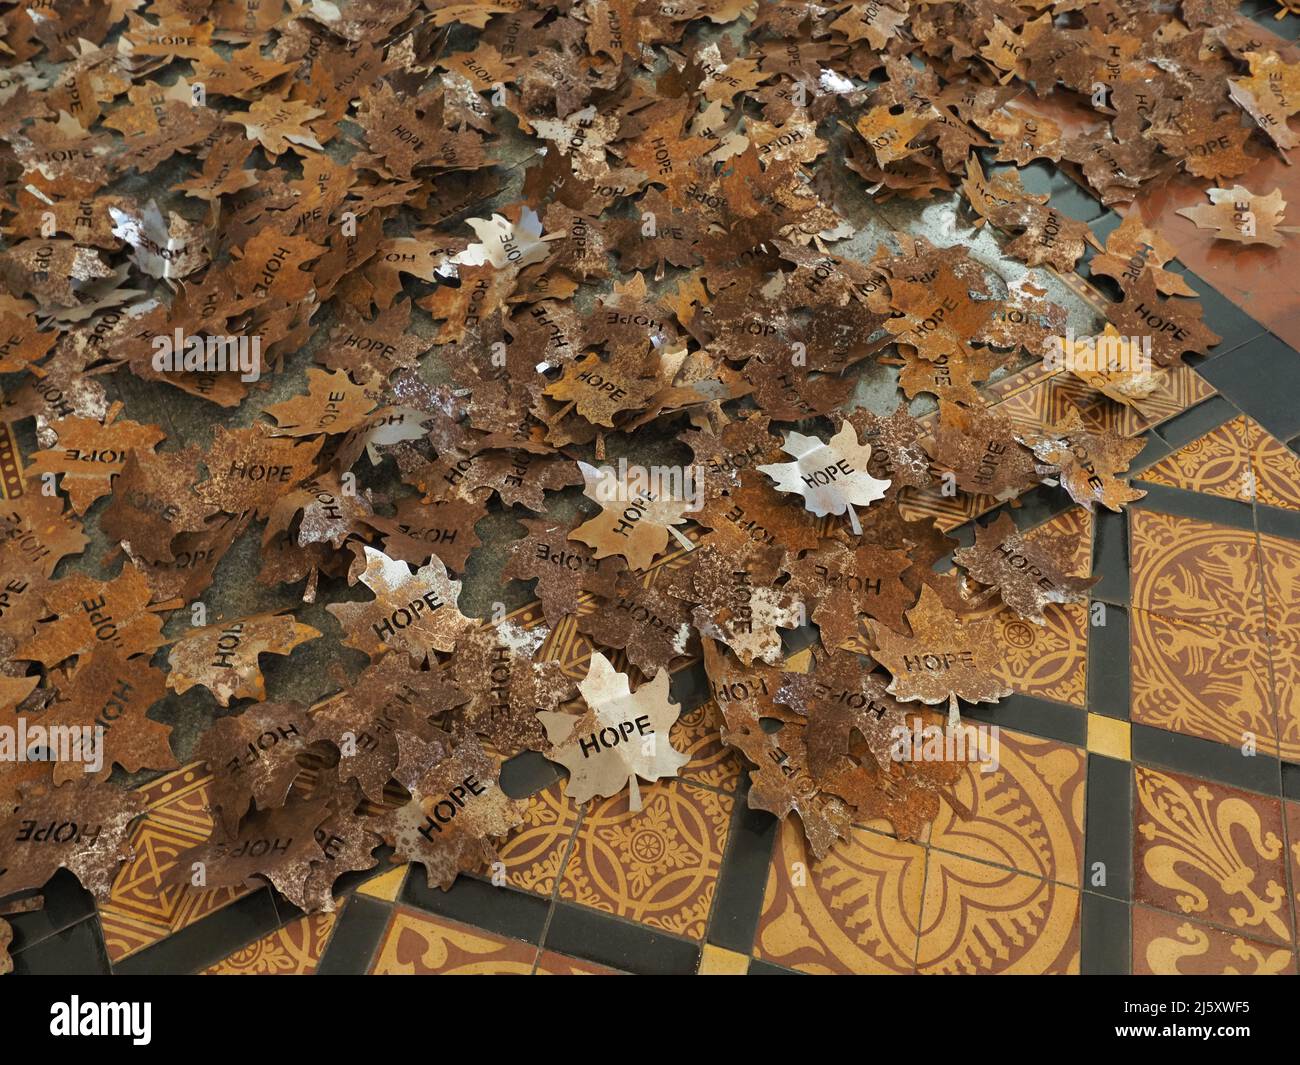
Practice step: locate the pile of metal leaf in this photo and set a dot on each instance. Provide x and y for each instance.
(475, 249)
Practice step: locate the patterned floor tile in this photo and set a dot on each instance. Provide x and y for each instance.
(1027, 814)
(534, 853)
(712, 762)
(1049, 661)
(1233, 461)
(979, 919)
(418, 944)
(140, 911)
(294, 950)
(1206, 681)
(658, 866)
(1168, 945)
(1210, 852)
(856, 911)
(1195, 571)
(1280, 560)
(1292, 813)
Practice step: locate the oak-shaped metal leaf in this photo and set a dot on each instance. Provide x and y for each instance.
(622, 736)
(831, 475)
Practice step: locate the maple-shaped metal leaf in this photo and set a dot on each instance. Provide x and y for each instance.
(223, 657)
(1237, 214)
(1088, 461)
(635, 519)
(845, 583)
(622, 735)
(781, 782)
(1028, 573)
(456, 810)
(81, 827)
(943, 660)
(497, 665)
(254, 758)
(415, 613)
(831, 475)
(363, 720)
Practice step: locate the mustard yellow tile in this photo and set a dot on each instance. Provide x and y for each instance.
(385, 886)
(715, 961)
(1110, 737)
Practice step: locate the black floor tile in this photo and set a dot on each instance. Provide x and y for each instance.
(1106, 934)
(73, 951)
(528, 773)
(583, 933)
(66, 903)
(355, 938)
(503, 910)
(1233, 325)
(1054, 721)
(1108, 660)
(739, 899)
(1110, 556)
(208, 940)
(1108, 826)
(1198, 505)
(1205, 758)
(1195, 422)
(1262, 377)
(1291, 781)
(766, 968)
(1275, 521)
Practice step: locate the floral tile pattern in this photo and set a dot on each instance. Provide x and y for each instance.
(856, 911)
(534, 853)
(1168, 945)
(659, 866)
(981, 919)
(294, 950)
(1210, 852)
(1238, 460)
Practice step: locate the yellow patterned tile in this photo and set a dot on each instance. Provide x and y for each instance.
(980, 919)
(294, 950)
(422, 944)
(1206, 681)
(658, 866)
(1165, 944)
(1110, 737)
(715, 961)
(855, 911)
(1026, 814)
(534, 852)
(1195, 571)
(1211, 852)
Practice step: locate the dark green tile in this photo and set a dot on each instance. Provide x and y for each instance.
(738, 902)
(1196, 421)
(73, 951)
(1204, 758)
(1106, 937)
(1262, 377)
(1108, 827)
(1054, 721)
(584, 933)
(1196, 505)
(1108, 660)
(208, 940)
(1110, 556)
(355, 937)
(503, 910)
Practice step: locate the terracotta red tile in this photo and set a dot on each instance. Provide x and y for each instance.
(1168, 945)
